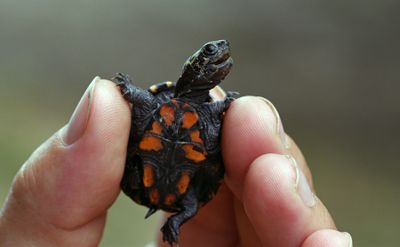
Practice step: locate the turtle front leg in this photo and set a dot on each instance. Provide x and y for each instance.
(132, 93)
(218, 107)
(170, 229)
(230, 97)
(143, 102)
(124, 82)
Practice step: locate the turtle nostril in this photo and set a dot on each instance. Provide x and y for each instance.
(223, 43)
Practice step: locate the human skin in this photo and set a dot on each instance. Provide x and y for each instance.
(61, 194)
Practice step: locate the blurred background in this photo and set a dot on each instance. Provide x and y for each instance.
(332, 68)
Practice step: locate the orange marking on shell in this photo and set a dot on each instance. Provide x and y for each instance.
(189, 119)
(154, 196)
(195, 137)
(169, 199)
(156, 128)
(148, 176)
(183, 183)
(168, 114)
(192, 154)
(150, 143)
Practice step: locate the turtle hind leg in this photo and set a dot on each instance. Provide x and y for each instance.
(190, 207)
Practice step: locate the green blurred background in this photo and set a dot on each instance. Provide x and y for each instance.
(331, 68)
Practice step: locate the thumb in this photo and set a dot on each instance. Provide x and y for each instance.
(61, 194)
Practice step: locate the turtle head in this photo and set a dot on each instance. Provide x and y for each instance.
(205, 69)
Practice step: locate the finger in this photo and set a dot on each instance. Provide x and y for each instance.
(69, 182)
(328, 238)
(262, 127)
(280, 203)
(252, 128)
(295, 152)
(247, 235)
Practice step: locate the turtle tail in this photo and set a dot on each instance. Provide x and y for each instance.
(150, 212)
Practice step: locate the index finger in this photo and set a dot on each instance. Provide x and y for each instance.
(252, 127)
(276, 202)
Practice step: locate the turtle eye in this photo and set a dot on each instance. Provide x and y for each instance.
(210, 49)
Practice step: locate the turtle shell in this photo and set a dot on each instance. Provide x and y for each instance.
(171, 150)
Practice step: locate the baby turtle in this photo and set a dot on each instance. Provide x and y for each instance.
(174, 159)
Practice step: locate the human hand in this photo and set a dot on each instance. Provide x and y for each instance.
(267, 198)
(61, 195)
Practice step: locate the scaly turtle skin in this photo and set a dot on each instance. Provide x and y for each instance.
(174, 161)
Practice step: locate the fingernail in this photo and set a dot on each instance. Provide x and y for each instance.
(349, 239)
(279, 126)
(78, 122)
(301, 184)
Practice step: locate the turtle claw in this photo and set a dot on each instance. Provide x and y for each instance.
(124, 82)
(170, 232)
(232, 94)
(122, 79)
(230, 97)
